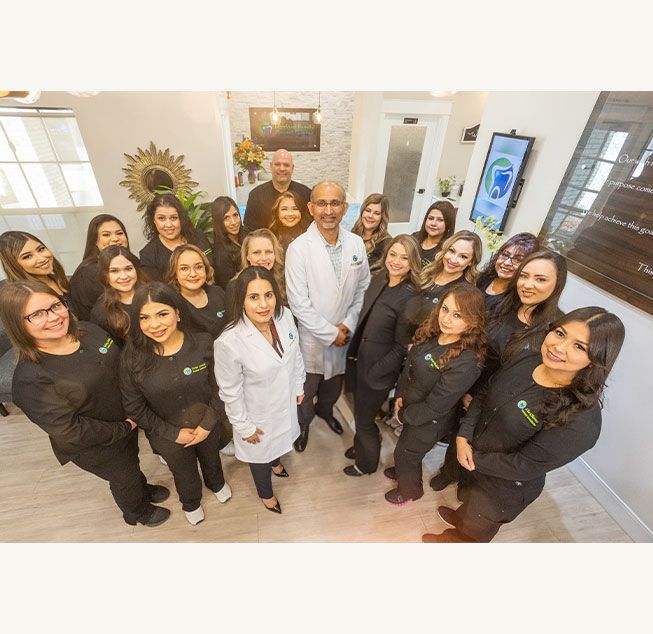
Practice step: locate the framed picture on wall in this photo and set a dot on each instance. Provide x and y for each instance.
(295, 131)
(470, 134)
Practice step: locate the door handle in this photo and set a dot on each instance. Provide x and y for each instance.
(420, 191)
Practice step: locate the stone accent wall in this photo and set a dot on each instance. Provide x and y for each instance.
(332, 161)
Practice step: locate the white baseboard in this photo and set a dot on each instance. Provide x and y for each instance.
(611, 502)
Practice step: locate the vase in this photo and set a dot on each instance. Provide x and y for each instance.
(251, 177)
(445, 194)
(241, 180)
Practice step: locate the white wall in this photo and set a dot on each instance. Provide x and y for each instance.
(332, 161)
(618, 470)
(114, 123)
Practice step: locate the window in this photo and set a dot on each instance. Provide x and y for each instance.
(43, 161)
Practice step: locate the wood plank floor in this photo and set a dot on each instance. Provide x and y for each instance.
(40, 501)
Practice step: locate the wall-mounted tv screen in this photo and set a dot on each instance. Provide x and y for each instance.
(502, 171)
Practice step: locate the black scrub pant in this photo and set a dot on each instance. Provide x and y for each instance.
(414, 443)
(182, 462)
(119, 465)
(327, 392)
(489, 503)
(367, 440)
(262, 474)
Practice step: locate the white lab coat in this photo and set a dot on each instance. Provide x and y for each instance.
(259, 388)
(320, 301)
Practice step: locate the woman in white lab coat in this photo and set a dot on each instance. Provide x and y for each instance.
(260, 372)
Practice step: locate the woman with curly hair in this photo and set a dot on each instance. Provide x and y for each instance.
(167, 225)
(372, 226)
(446, 358)
(540, 411)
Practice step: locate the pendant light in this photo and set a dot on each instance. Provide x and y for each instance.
(317, 115)
(275, 117)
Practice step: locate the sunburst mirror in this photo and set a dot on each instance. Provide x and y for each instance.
(151, 169)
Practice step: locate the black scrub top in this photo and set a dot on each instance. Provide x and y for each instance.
(75, 398)
(431, 392)
(178, 391)
(213, 317)
(426, 255)
(155, 256)
(85, 287)
(226, 262)
(491, 301)
(99, 317)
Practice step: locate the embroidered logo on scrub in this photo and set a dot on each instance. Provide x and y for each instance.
(532, 419)
(355, 258)
(194, 369)
(290, 335)
(432, 362)
(435, 300)
(220, 314)
(104, 348)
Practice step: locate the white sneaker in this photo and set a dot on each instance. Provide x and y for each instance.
(196, 516)
(223, 494)
(228, 450)
(161, 460)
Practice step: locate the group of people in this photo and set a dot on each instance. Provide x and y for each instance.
(245, 339)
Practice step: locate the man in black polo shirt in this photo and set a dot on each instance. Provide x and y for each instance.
(258, 213)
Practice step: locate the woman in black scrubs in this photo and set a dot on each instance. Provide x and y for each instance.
(445, 359)
(438, 225)
(66, 382)
(538, 413)
(228, 235)
(25, 258)
(372, 226)
(85, 288)
(167, 226)
(120, 275)
(378, 347)
(494, 278)
(192, 276)
(169, 389)
(288, 221)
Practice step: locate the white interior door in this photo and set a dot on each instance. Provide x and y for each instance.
(408, 156)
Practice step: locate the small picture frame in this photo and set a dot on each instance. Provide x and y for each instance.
(470, 134)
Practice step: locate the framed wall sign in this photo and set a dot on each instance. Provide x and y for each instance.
(295, 132)
(470, 134)
(601, 218)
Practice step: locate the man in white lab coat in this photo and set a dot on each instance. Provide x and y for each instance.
(327, 275)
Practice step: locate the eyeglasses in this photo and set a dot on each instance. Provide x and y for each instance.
(515, 259)
(39, 317)
(185, 270)
(334, 204)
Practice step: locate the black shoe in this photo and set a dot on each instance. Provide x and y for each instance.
(275, 509)
(302, 439)
(394, 497)
(334, 424)
(155, 516)
(282, 474)
(450, 536)
(157, 493)
(350, 454)
(440, 481)
(353, 470)
(390, 473)
(447, 515)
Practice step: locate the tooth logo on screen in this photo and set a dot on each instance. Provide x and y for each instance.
(498, 178)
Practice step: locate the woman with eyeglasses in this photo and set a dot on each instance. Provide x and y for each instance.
(120, 275)
(228, 235)
(167, 226)
(192, 276)
(288, 222)
(438, 225)
(85, 287)
(260, 371)
(540, 411)
(25, 258)
(495, 277)
(67, 383)
(372, 226)
(169, 389)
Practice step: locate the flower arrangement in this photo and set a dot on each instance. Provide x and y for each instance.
(249, 155)
(487, 226)
(445, 184)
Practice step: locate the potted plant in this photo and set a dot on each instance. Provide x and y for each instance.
(445, 185)
(250, 157)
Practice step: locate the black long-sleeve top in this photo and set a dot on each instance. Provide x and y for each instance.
(382, 335)
(431, 393)
(178, 391)
(99, 317)
(212, 318)
(226, 261)
(85, 287)
(506, 429)
(374, 256)
(426, 256)
(491, 301)
(75, 398)
(155, 256)
(420, 306)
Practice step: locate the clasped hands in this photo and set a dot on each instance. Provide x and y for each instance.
(343, 335)
(187, 435)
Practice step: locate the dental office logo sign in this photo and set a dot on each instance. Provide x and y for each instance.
(498, 178)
